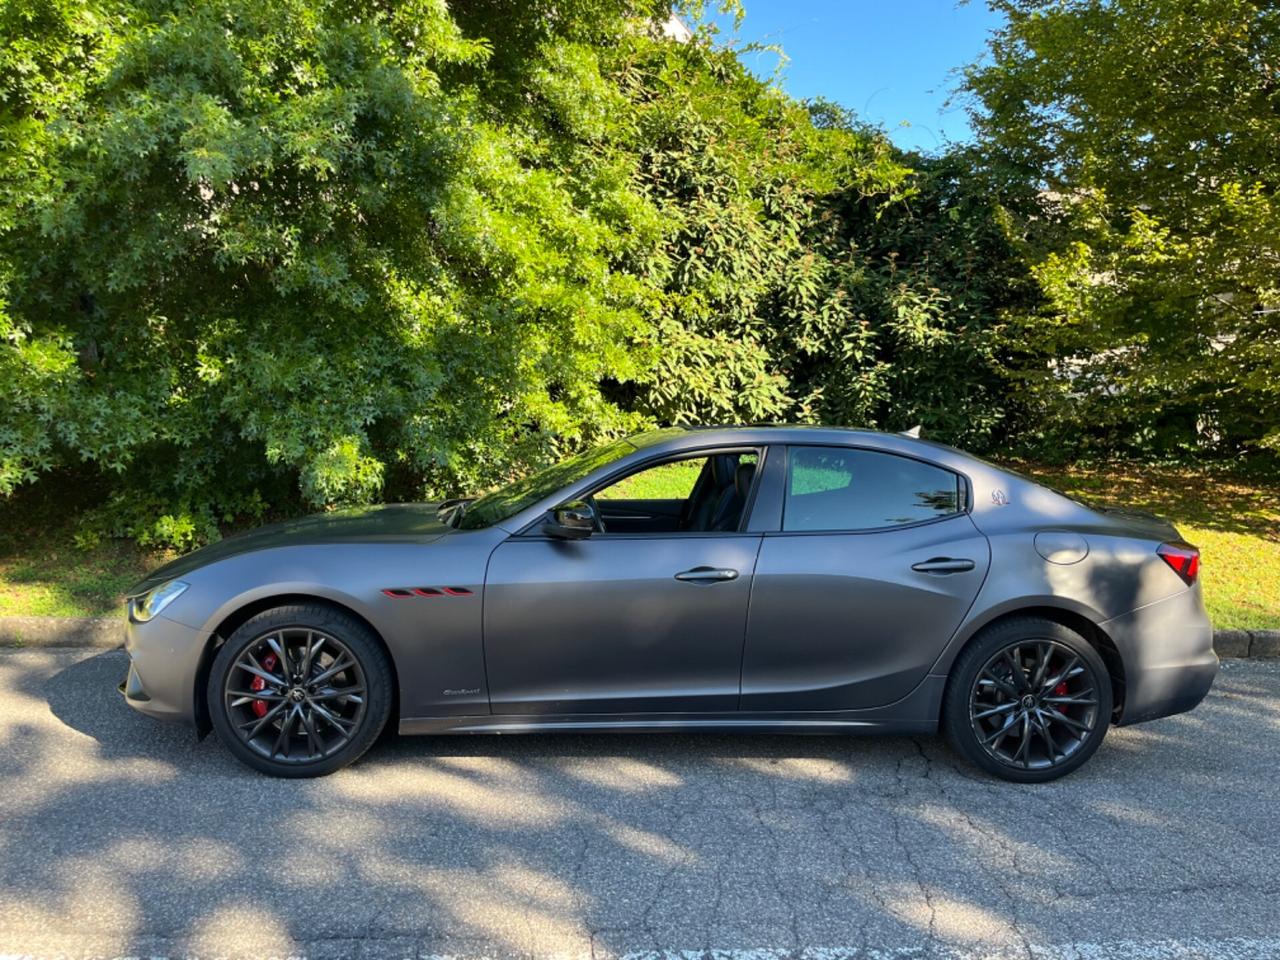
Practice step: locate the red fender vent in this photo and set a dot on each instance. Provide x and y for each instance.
(408, 593)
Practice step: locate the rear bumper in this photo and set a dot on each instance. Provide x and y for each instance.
(164, 658)
(1167, 649)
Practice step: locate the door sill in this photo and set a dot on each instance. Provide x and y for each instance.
(837, 722)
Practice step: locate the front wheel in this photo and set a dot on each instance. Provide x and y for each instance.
(1029, 700)
(300, 691)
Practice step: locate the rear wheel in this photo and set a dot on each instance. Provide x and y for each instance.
(300, 691)
(1029, 700)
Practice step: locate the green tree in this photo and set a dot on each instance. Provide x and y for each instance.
(247, 247)
(810, 270)
(942, 276)
(753, 275)
(1149, 129)
(292, 255)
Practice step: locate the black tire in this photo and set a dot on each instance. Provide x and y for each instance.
(340, 710)
(1062, 723)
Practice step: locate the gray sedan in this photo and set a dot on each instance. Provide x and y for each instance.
(785, 579)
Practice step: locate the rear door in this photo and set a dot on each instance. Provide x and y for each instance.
(874, 568)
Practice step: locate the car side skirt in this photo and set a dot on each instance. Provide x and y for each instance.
(662, 723)
(917, 712)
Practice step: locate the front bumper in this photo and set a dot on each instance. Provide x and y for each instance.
(1167, 649)
(164, 661)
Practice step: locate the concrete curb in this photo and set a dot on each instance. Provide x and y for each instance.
(107, 632)
(103, 632)
(1251, 644)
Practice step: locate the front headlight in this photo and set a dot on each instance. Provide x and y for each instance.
(147, 606)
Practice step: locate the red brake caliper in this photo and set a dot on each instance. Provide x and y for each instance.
(259, 707)
(1061, 691)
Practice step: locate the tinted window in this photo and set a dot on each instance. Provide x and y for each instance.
(835, 488)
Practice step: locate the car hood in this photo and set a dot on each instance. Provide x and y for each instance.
(416, 522)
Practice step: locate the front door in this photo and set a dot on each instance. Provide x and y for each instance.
(873, 570)
(647, 620)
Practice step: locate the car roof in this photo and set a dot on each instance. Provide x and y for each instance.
(682, 437)
(773, 432)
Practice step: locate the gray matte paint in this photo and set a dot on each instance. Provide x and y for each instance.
(871, 623)
(603, 626)
(819, 631)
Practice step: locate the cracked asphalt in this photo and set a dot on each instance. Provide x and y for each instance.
(123, 836)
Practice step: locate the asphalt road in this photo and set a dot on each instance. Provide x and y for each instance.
(122, 836)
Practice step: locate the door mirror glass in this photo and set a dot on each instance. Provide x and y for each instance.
(574, 520)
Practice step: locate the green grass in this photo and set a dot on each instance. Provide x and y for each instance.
(671, 481)
(42, 571)
(60, 580)
(1234, 522)
(814, 479)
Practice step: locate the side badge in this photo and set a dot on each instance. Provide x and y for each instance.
(999, 498)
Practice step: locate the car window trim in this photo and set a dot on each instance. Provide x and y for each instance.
(530, 531)
(865, 531)
(964, 488)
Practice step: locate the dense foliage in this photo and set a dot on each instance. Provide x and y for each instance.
(257, 255)
(263, 252)
(269, 257)
(1151, 131)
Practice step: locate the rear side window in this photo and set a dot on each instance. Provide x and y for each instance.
(838, 488)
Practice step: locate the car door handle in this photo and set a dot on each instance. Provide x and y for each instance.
(707, 575)
(942, 565)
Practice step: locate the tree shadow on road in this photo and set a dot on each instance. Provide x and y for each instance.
(121, 834)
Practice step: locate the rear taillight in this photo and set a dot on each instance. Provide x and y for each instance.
(1183, 558)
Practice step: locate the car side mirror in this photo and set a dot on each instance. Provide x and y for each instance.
(574, 520)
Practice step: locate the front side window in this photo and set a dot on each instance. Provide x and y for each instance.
(667, 481)
(700, 494)
(839, 488)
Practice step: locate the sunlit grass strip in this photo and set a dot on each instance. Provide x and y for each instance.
(1234, 522)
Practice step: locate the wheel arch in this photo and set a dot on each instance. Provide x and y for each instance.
(1068, 617)
(233, 620)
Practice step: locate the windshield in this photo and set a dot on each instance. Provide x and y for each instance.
(506, 503)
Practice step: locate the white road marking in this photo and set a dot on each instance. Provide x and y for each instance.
(1225, 948)
(1193, 948)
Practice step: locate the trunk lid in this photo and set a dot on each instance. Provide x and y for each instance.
(1141, 522)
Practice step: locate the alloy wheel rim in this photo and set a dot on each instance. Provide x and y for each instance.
(1034, 704)
(296, 695)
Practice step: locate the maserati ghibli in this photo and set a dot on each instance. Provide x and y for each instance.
(783, 579)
